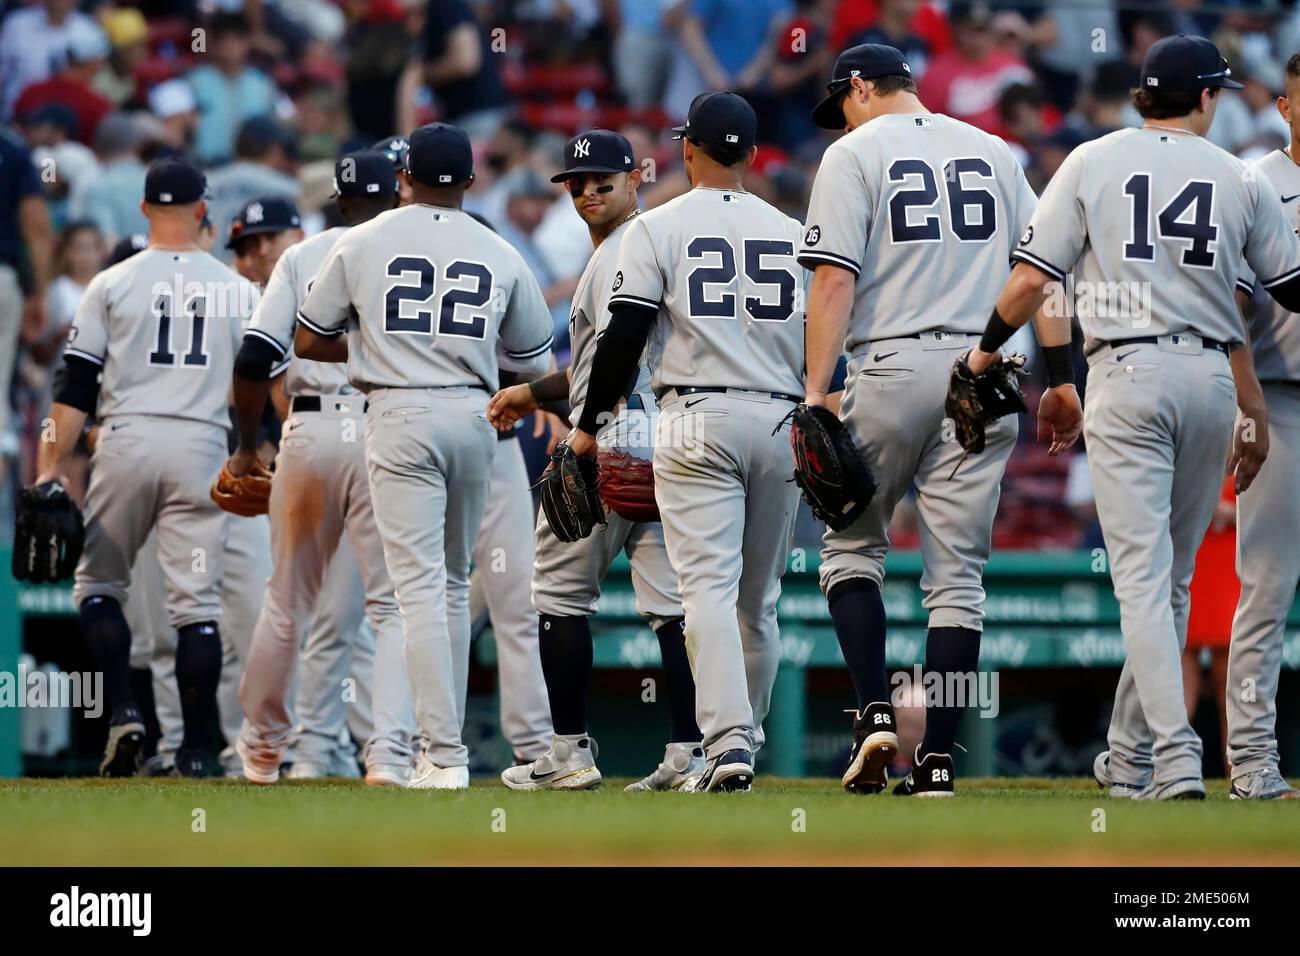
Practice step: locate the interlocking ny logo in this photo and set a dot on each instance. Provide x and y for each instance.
(255, 212)
(581, 148)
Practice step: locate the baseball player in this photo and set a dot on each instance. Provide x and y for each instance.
(264, 229)
(892, 211)
(603, 181)
(710, 280)
(1162, 210)
(162, 328)
(319, 493)
(436, 297)
(496, 586)
(1268, 519)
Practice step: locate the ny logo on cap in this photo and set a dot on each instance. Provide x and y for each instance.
(255, 213)
(581, 148)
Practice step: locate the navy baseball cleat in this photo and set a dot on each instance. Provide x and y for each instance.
(122, 752)
(930, 777)
(190, 764)
(875, 745)
(729, 772)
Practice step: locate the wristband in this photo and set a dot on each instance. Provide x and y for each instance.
(996, 333)
(1060, 369)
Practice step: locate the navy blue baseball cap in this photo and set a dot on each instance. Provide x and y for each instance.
(440, 155)
(367, 172)
(868, 61)
(267, 214)
(595, 151)
(720, 119)
(395, 148)
(1185, 64)
(174, 182)
(128, 246)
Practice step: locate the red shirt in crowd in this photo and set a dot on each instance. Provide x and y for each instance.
(968, 90)
(88, 106)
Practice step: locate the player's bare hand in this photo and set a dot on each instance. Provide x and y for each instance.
(241, 462)
(1249, 447)
(978, 361)
(1060, 418)
(582, 443)
(815, 399)
(550, 425)
(509, 405)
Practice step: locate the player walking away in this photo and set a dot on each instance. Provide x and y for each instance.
(436, 297)
(1268, 519)
(320, 493)
(710, 280)
(602, 180)
(162, 328)
(1165, 210)
(495, 584)
(909, 199)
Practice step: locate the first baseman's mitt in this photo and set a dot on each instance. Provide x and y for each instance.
(830, 471)
(975, 401)
(48, 534)
(246, 495)
(627, 485)
(569, 497)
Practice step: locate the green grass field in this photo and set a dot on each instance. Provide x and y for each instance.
(991, 822)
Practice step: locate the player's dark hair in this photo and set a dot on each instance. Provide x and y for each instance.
(722, 155)
(1293, 67)
(1170, 104)
(889, 85)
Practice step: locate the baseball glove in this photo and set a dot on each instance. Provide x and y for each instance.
(246, 495)
(975, 401)
(828, 468)
(627, 485)
(48, 534)
(569, 496)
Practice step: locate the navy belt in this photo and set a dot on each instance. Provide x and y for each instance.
(312, 403)
(1223, 347)
(714, 389)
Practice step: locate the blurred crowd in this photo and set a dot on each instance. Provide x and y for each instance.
(265, 93)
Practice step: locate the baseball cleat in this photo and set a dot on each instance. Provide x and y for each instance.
(190, 764)
(570, 764)
(681, 762)
(388, 775)
(729, 772)
(1189, 788)
(159, 765)
(232, 765)
(429, 776)
(1266, 784)
(1115, 789)
(122, 751)
(306, 770)
(930, 776)
(261, 760)
(875, 745)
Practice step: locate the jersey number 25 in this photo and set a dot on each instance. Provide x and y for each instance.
(775, 304)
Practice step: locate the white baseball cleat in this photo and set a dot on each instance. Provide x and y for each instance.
(681, 763)
(261, 760)
(388, 775)
(1114, 788)
(429, 776)
(570, 764)
(306, 770)
(1189, 788)
(1265, 784)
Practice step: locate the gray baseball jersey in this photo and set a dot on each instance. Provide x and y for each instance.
(433, 292)
(906, 198)
(277, 314)
(720, 267)
(590, 315)
(1275, 332)
(165, 327)
(1165, 217)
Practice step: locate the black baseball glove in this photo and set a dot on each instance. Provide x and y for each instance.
(48, 534)
(569, 496)
(828, 468)
(975, 401)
